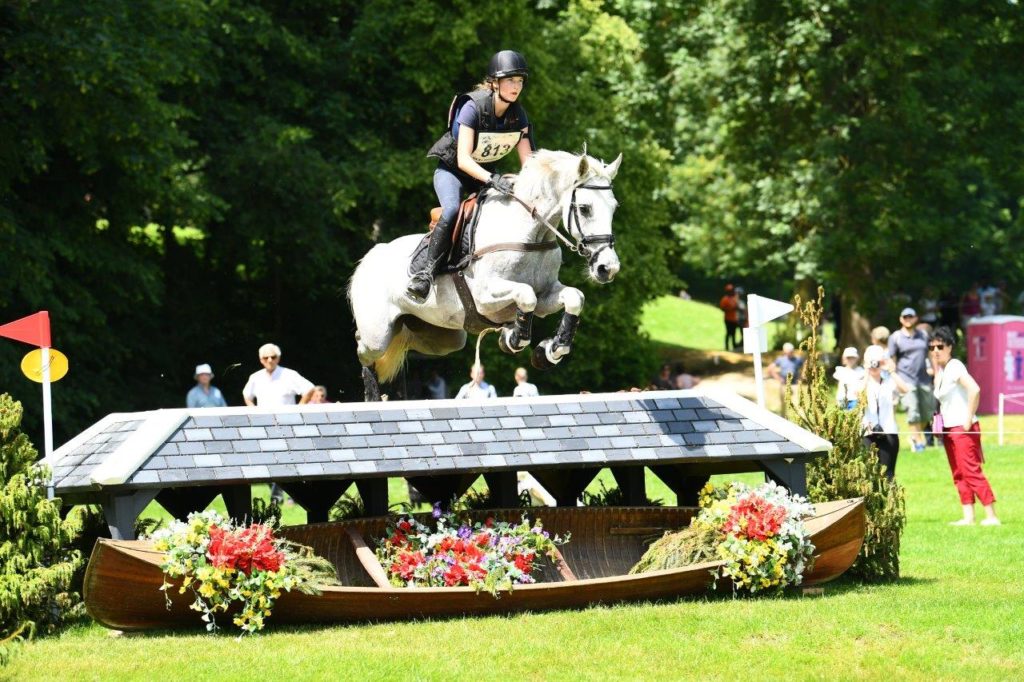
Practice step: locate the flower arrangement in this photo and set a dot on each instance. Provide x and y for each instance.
(492, 556)
(223, 564)
(757, 535)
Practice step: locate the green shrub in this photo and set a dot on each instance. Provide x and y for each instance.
(613, 497)
(37, 565)
(851, 468)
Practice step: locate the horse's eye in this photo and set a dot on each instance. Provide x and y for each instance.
(586, 211)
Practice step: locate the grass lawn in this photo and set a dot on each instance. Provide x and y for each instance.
(675, 322)
(958, 613)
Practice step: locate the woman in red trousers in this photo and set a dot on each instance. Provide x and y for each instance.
(958, 395)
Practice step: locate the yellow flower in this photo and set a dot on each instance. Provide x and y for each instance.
(206, 590)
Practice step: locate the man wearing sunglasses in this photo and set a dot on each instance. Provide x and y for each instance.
(276, 385)
(908, 348)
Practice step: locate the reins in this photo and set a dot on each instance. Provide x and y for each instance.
(583, 245)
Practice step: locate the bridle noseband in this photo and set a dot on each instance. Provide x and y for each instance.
(585, 243)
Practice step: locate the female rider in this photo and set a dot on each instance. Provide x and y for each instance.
(483, 126)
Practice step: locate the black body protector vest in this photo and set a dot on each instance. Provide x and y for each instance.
(491, 144)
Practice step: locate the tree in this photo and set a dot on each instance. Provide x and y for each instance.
(871, 146)
(36, 566)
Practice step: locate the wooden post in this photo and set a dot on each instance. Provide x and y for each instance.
(632, 484)
(504, 487)
(374, 492)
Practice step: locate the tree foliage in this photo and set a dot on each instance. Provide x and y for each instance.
(872, 146)
(181, 182)
(36, 566)
(851, 468)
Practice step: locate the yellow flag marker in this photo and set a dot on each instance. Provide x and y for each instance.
(32, 365)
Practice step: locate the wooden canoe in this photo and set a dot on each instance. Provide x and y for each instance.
(123, 578)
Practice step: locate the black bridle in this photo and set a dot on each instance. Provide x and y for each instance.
(585, 243)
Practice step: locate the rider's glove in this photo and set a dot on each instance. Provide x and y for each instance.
(501, 183)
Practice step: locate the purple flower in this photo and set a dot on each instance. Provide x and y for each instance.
(465, 532)
(437, 510)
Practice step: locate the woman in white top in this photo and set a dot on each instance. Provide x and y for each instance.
(880, 391)
(958, 395)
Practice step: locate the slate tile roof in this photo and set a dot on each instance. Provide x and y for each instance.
(416, 438)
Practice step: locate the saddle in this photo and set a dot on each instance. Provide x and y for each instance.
(460, 252)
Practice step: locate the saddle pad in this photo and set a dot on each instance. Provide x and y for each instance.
(460, 254)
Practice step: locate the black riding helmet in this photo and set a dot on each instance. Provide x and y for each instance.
(507, 63)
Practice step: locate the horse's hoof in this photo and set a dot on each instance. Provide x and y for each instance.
(502, 345)
(505, 336)
(540, 358)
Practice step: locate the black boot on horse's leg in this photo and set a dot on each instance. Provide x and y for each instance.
(546, 355)
(516, 338)
(419, 285)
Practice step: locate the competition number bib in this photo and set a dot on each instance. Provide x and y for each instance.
(493, 146)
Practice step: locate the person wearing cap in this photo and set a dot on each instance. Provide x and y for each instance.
(729, 304)
(880, 393)
(484, 126)
(203, 394)
(276, 385)
(908, 348)
(786, 370)
(850, 376)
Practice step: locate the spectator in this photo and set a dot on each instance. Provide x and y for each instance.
(742, 320)
(276, 385)
(319, 396)
(786, 370)
(879, 415)
(730, 309)
(203, 394)
(437, 387)
(523, 389)
(958, 395)
(970, 306)
(908, 347)
(477, 388)
(989, 300)
(663, 382)
(850, 376)
(683, 380)
(949, 310)
(880, 338)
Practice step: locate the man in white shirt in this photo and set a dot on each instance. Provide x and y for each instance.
(477, 388)
(524, 389)
(275, 385)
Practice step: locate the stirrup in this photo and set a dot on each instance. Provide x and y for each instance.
(419, 286)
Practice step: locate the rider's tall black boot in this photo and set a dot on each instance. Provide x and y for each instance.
(419, 284)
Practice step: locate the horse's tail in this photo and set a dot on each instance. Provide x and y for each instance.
(390, 364)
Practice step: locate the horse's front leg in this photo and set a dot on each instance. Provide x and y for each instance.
(550, 352)
(496, 295)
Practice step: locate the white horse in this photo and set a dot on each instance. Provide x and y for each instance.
(513, 276)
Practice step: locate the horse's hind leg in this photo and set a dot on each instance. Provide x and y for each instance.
(371, 387)
(550, 352)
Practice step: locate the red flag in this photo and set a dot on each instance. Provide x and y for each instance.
(33, 330)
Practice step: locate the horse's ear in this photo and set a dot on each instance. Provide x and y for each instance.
(584, 166)
(613, 168)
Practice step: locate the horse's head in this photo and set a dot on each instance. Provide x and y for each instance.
(588, 213)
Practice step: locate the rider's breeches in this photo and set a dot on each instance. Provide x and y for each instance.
(449, 193)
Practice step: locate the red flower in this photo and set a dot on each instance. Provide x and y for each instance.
(456, 575)
(245, 549)
(755, 518)
(524, 563)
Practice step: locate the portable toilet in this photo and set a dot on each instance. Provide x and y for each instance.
(995, 358)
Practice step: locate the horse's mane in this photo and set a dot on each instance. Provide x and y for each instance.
(549, 174)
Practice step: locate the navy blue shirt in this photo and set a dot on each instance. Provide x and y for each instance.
(467, 116)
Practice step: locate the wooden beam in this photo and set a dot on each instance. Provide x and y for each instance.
(684, 484)
(504, 487)
(632, 484)
(122, 510)
(444, 488)
(374, 493)
(565, 485)
(238, 501)
(316, 497)
(180, 502)
(790, 472)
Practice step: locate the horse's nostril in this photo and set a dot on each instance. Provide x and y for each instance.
(602, 269)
